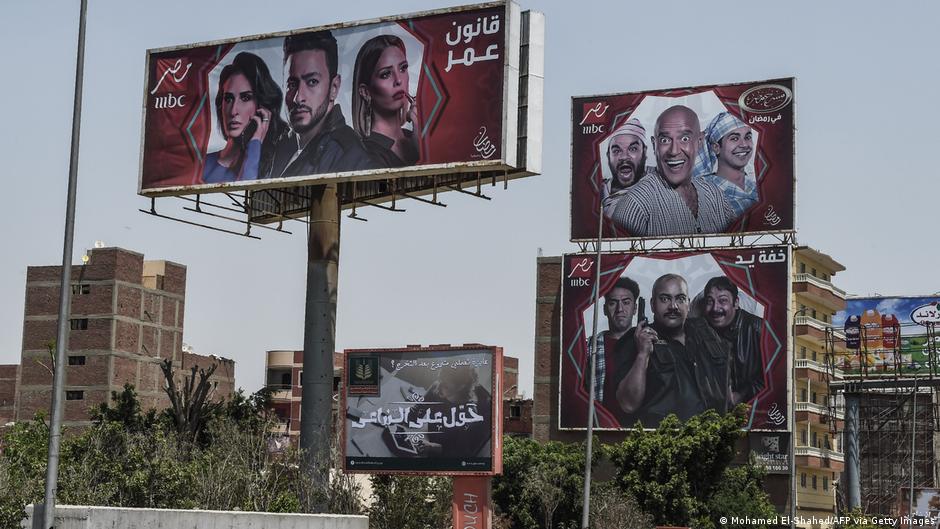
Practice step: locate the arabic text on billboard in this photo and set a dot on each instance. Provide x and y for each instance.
(705, 160)
(422, 411)
(358, 100)
(888, 335)
(716, 337)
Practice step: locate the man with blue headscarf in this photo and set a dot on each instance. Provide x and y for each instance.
(726, 149)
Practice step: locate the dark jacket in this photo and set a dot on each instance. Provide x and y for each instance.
(747, 368)
(379, 146)
(684, 380)
(337, 148)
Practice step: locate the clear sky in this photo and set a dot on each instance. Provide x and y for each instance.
(866, 149)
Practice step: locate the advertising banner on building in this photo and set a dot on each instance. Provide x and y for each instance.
(427, 411)
(888, 335)
(771, 450)
(703, 160)
(678, 333)
(406, 95)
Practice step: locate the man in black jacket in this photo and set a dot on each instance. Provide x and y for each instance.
(741, 330)
(677, 365)
(320, 141)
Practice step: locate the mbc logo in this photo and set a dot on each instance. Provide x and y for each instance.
(580, 275)
(593, 120)
(169, 101)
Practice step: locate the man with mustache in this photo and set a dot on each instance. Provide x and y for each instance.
(626, 157)
(619, 307)
(727, 148)
(677, 365)
(741, 332)
(671, 201)
(320, 140)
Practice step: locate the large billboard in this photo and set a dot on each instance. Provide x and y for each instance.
(678, 333)
(888, 335)
(431, 93)
(704, 160)
(425, 410)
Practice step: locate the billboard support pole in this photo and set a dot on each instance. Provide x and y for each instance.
(910, 508)
(65, 293)
(852, 467)
(316, 405)
(586, 503)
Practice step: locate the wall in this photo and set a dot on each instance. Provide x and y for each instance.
(83, 517)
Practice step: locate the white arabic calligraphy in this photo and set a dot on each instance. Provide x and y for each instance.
(173, 70)
(466, 33)
(484, 146)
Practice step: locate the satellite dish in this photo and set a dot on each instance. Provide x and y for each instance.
(99, 244)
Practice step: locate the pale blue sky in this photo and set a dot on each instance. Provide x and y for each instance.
(866, 148)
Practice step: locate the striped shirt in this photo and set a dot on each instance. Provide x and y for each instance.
(655, 209)
(739, 199)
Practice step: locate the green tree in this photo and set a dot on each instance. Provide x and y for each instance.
(125, 409)
(22, 469)
(410, 502)
(516, 495)
(674, 470)
(740, 493)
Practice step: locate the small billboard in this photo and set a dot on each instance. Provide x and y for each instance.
(435, 93)
(434, 410)
(703, 160)
(888, 335)
(678, 333)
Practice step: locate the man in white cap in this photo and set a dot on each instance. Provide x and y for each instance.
(727, 148)
(626, 157)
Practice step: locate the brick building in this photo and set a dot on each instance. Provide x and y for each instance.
(126, 318)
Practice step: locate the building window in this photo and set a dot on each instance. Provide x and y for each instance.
(285, 379)
(81, 290)
(77, 360)
(803, 395)
(825, 483)
(814, 355)
(814, 482)
(803, 435)
(827, 445)
(74, 395)
(815, 439)
(802, 268)
(803, 480)
(78, 324)
(813, 272)
(802, 352)
(300, 379)
(515, 411)
(814, 397)
(813, 312)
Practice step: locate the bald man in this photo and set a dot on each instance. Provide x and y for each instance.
(670, 201)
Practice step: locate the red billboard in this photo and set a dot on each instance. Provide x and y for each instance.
(704, 160)
(434, 410)
(678, 333)
(423, 94)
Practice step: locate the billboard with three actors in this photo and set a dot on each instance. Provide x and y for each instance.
(888, 335)
(704, 160)
(423, 410)
(678, 333)
(429, 92)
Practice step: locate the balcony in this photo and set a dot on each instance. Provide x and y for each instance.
(821, 458)
(282, 359)
(280, 392)
(815, 330)
(819, 290)
(819, 367)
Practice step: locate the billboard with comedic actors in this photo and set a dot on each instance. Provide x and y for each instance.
(678, 333)
(431, 410)
(704, 160)
(349, 101)
(888, 335)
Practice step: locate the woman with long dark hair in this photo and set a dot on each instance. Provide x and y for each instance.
(381, 104)
(248, 110)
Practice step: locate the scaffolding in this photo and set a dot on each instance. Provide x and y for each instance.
(896, 419)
